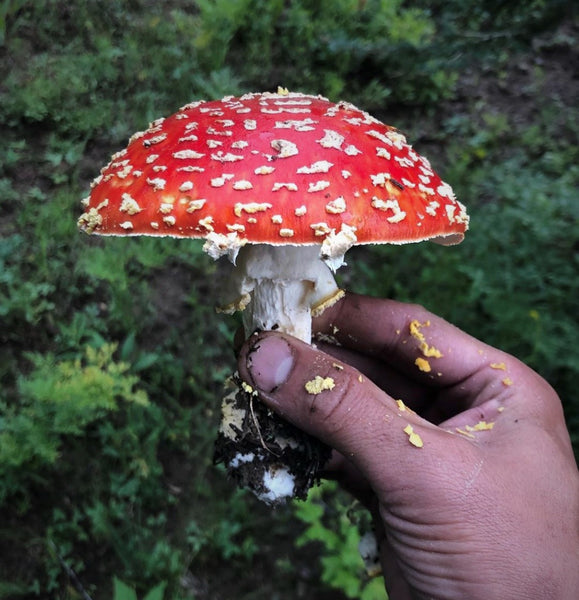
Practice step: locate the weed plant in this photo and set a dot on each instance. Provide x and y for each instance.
(111, 359)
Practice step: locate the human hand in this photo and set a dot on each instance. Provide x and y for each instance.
(476, 493)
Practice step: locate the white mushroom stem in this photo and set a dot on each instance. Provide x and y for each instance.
(280, 287)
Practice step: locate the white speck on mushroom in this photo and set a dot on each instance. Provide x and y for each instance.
(292, 187)
(250, 207)
(157, 183)
(445, 191)
(126, 225)
(250, 124)
(286, 232)
(237, 227)
(397, 213)
(191, 169)
(380, 179)
(207, 223)
(320, 166)
(242, 184)
(225, 122)
(336, 206)
(284, 148)
(264, 170)
(318, 186)
(335, 245)
(431, 208)
(212, 144)
(189, 138)
(165, 208)
(129, 205)
(383, 153)
(196, 205)
(191, 105)
(300, 211)
(346, 173)
(169, 220)
(226, 157)
(331, 139)
(154, 225)
(404, 161)
(293, 102)
(426, 190)
(186, 186)
(240, 144)
(157, 139)
(450, 209)
(320, 229)
(151, 158)
(136, 136)
(277, 219)
(304, 125)
(380, 136)
(185, 154)
(159, 168)
(397, 138)
(352, 150)
(220, 181)
(405, 182)
(191, 125)
(219, 244)
(124, 172)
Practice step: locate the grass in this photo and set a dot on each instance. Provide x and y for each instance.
(111, 358)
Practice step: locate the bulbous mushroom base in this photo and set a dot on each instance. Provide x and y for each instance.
(263, 453)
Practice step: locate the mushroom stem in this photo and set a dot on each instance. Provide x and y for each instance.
(279, 286)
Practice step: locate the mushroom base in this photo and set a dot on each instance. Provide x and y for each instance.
(263, 453)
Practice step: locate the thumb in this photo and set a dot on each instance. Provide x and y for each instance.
(335, 403)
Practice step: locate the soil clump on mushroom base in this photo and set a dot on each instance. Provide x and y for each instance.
(263, 452)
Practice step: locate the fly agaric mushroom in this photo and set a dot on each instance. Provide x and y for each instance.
(283, 184)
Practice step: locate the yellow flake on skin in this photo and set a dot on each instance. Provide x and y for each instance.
(500, 366)
(465, 433)
(337, 366)
(319, 384)
(481, 426)
(507, 381)
(413, 437)
(401, 405)
(428, 351)
(423, 364)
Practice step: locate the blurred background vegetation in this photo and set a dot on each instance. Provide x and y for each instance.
(111, 359)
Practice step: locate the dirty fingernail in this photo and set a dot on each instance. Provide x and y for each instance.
(269, 362)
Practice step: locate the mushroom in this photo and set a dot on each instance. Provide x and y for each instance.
(283, 184)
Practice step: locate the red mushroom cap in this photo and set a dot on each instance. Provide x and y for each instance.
(283, 168)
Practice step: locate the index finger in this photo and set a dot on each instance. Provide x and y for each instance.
(409, 337)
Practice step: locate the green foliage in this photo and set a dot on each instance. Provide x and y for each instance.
(58, 399)
(121, 591)
(329, 522)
